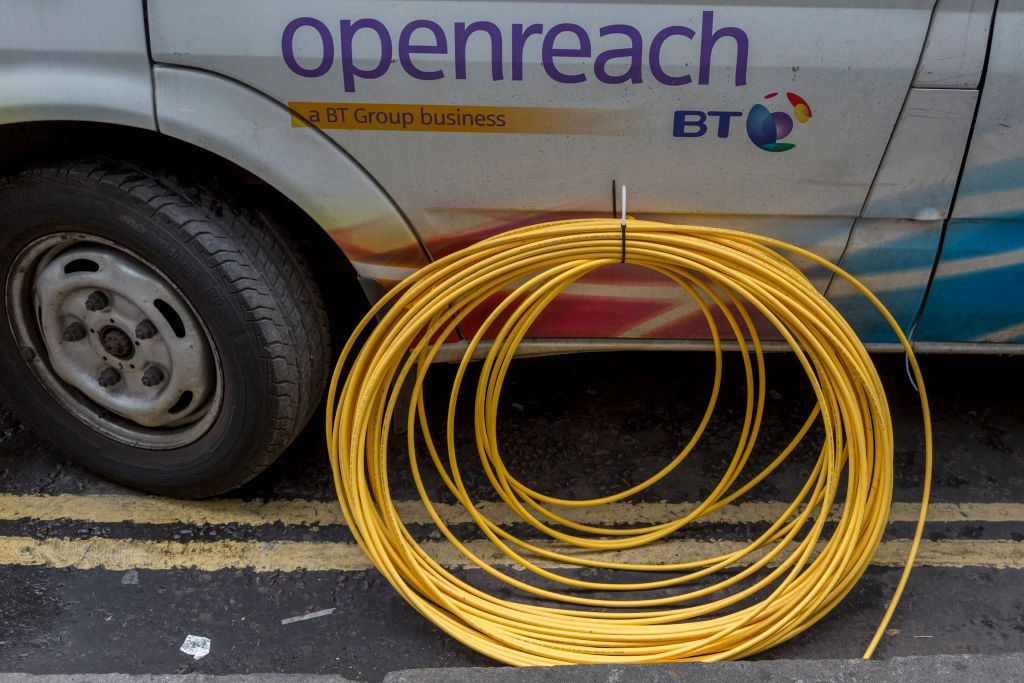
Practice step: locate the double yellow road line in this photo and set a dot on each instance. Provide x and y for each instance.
(122, 554)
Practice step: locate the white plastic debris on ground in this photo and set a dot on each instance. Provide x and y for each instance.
(311, 615)
(196, 646)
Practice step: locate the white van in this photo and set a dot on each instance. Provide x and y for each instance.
(199, 195)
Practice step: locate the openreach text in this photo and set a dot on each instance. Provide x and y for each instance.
(561, 47)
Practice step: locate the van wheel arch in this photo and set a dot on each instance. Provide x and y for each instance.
(50, 142)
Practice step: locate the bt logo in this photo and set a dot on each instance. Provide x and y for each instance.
(765, 128)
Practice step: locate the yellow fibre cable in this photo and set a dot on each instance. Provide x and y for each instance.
(743, 600)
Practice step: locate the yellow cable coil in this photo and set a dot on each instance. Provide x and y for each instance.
(774, 588)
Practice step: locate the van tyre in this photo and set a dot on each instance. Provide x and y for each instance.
(156, 331)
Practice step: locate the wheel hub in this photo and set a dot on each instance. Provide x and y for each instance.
(117, 343)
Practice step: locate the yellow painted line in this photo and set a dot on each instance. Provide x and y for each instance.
(154, 510)
(124, 554)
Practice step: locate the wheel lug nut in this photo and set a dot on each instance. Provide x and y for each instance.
(109, 377)
(152, 376)
(74, 332)
(97, 301)
(146, 329)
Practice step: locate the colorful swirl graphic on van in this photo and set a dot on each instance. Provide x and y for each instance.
(765, 128)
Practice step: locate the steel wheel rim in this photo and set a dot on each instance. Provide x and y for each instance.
(114, 341)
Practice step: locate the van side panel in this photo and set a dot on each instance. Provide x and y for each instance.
(978, 291)
(75, 61)
(894, 242)
(479, 116)
(954, 53)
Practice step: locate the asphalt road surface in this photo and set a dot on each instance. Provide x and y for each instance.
(96, 578)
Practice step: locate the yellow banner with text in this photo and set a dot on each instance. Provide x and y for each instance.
(446, 118)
